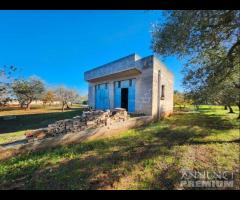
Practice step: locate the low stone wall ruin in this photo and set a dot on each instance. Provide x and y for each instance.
(88, 119)
(114, 127)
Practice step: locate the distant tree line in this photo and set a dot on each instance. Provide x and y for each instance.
(25, 91)
(181, 100)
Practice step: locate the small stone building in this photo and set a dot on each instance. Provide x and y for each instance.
(140, 85)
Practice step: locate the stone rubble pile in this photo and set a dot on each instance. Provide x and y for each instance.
(88, 119)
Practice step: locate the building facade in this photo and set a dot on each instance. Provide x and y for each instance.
(140, 85)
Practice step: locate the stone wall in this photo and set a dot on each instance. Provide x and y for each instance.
(75, 138)
(89, 119)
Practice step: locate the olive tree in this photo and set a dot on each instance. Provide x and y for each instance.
(209, 40)
(48, 97)
(6, 78)
(181, 100)
(27, 91)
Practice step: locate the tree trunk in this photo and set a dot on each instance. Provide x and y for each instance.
(21, 105)
(63, 105)
(68, 107)
(28, 106)
(180, 107)
(230, 109)
(225, 107)
(238, 111)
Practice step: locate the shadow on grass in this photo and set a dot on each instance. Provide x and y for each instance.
(199, 119)
(100, 164)
(34, 121)
(215, 142)
(91, 171)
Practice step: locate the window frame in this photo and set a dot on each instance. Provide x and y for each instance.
(163, 92)
(119, 84)
(130, 82)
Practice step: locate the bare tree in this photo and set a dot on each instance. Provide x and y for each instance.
(73, 96)
(66, 96)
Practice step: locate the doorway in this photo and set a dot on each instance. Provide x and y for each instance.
(124, 98)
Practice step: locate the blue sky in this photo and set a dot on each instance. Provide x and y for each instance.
(59, 46)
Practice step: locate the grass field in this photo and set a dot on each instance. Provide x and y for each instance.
(37, 117)
(150, 157)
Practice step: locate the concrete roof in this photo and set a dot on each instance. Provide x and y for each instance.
(117, 66)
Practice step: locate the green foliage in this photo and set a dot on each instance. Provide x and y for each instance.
(48, 97)
(27, 91)
(85, 102)
(181, 100)
(190, 32)
(210, 41)
(6, 78)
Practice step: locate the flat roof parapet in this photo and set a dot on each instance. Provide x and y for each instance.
(122, 64)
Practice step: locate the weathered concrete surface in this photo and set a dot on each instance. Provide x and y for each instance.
(91, 94)
(119, 126)
(144, 86)
(162, 107)
(119, 65)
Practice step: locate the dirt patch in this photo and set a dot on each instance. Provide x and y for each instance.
(196, 157)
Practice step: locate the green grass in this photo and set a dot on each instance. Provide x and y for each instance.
(10, 137)
(38, 117)
(150, 157)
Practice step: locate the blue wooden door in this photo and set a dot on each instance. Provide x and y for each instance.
(105, 96)
(97, 96)
(131, 96)
(130, 84)
(117, 94)
(102, 96)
